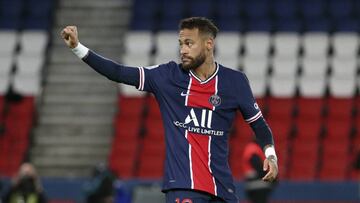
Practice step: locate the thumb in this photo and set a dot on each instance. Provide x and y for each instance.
(266, 165)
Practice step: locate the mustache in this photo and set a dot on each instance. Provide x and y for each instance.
(186, 57)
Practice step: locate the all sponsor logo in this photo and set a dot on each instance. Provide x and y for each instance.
(199, 124)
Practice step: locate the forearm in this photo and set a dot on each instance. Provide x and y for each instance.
(108, 68)
(264, 137)
(262, 132)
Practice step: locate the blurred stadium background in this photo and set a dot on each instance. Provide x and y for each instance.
(301, 57)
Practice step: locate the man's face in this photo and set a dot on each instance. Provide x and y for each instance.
(192, 48)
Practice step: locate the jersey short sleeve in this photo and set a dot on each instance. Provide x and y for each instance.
(246, 101)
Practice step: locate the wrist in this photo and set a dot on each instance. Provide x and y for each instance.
(80, 50)
(270, 153)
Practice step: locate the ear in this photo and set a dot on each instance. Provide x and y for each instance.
(210, 43)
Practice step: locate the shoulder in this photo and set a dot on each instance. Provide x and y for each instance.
(164, 66)
(234, 75)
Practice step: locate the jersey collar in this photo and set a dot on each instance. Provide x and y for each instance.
(207, 80)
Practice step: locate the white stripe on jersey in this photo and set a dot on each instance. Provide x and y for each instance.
(141, 79)
(190, 162)
(188, 91)
(209, 147)
(254, 118)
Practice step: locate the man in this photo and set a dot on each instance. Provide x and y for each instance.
(26, 187)
(198, 99)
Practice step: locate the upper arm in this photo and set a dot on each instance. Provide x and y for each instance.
(152, 77)
(246, 101)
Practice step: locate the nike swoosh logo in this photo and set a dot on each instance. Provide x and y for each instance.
(184, 94)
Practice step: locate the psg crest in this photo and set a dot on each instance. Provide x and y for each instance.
(215, 100)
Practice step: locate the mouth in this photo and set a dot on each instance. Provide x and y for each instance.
(185, 59)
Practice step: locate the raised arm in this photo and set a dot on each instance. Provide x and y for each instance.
(110, 69)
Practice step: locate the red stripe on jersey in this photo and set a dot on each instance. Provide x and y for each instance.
(198, 96)
(202, 177)
(201, 93)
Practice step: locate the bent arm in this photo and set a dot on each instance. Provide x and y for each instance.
(108, 68)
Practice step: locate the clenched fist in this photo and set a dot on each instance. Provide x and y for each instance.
(70, 36)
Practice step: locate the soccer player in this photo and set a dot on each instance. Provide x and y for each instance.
(198, 99)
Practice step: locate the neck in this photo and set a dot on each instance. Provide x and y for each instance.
(205, 70)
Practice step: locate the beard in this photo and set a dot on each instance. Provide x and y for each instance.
(194, 63)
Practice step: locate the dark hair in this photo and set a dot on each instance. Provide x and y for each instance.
(204, 25)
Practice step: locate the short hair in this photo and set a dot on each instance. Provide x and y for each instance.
(205, 26)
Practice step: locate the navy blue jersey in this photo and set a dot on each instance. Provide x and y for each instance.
(197, 116)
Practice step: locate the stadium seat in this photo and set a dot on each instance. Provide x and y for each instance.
(258, 85)
(173, 9)
(144, 14)
(167, 47)
(286, 44)
(138, 46)
(5, 73)
(127, 128)
(346, 25)
(227, 49)
(38, 18)
(131, 107)
(153, 148)
(137, 60)
(255, 66)
(314, 66)
(27, 84)
(308, 128)
(280, 108)
(282, 132)
(229, 8)
(335, 168)
(228, 15)
(344, 66)
(130, 91)
(28, 64)
(288, 25)
(303, 166)
(342, 86)
(345, 44)
(123, 164)
(258, 25)
(310, 107)
(312, 85)
(8, 41)
(283, 86)
(340, 9)
(242, 130)
(312, 9)
(257, 44)
(339, 108)
(284, 66)
(150, 167)
(33, 42)
(256, 8)
(316, 44)
(284, 8)
(228, 45)
(10, 14)
(25, 107)
(154, 129)
(317, 25)
(338, 129)
(201, 8)
(153, 108)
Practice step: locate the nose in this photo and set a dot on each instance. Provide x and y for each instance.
(183, 50)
